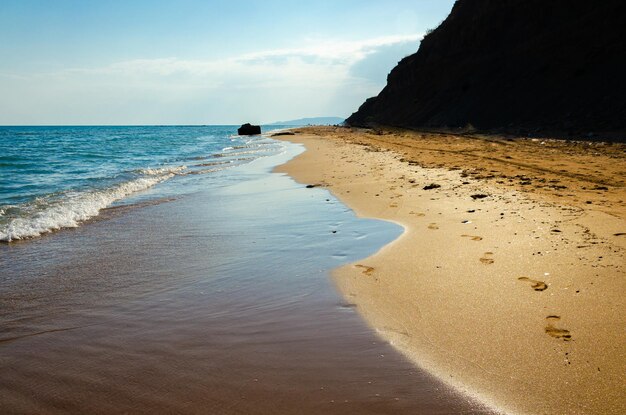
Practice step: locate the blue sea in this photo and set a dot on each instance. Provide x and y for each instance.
(60, 177)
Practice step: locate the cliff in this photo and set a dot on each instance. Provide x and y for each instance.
(513, 65)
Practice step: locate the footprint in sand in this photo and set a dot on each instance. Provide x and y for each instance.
(393, 205)
(418, 214)
(536, 285)
(487, 258)
(556, 332)
(366, 269)
(472, 237)
(433, 226)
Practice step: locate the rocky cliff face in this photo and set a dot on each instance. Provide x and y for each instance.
(513, 65)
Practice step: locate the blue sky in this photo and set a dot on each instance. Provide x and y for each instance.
(200, 62)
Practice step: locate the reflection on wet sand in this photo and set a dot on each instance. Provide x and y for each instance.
(216, 302)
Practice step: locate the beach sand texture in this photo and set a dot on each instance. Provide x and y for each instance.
(509, 280)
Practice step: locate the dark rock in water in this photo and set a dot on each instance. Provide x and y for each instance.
(432, 186)
(283, 133)
(553, 66)
(248, 129)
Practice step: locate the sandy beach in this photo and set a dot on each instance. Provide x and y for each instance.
(509, 280)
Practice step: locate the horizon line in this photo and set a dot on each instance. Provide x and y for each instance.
(131, 125)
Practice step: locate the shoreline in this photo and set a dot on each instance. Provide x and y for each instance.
(508, 297)
(220, 297)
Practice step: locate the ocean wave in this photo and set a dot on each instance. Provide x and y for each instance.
(255, 144)
(242, 153)
(205, 171)
(216, 163)
(69, 208)
(163, 170)
(47, 214)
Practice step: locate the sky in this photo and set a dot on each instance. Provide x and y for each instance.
(146, 62)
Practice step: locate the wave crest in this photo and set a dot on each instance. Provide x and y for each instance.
(47, 215)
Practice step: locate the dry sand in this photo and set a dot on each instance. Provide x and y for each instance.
(517, 298)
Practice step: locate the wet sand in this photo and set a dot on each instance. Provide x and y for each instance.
(509, 281)
(216, 302)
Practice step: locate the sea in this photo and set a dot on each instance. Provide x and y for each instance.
(60, 177)
(168, 269)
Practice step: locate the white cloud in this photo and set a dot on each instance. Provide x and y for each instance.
(316, 79)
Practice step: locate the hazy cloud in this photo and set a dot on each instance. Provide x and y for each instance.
(379, 63)
(323, 77)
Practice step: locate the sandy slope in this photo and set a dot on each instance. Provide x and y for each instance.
(516, 297)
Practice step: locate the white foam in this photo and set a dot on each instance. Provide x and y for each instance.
(164, 170)
(77, 207)
(242, 153)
